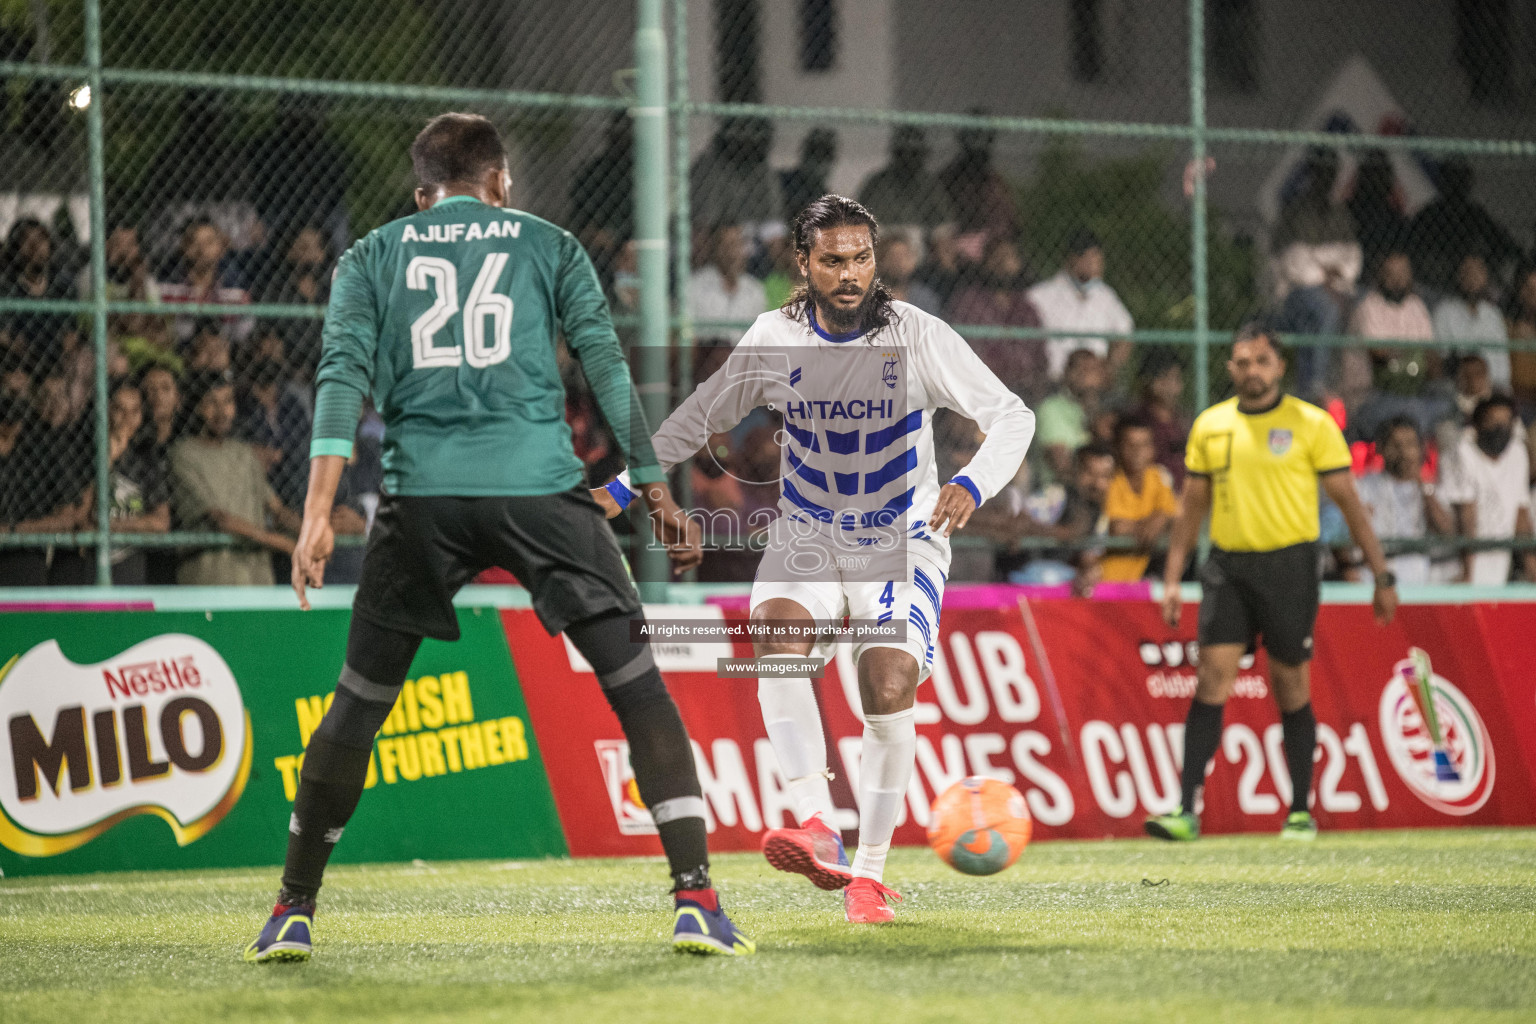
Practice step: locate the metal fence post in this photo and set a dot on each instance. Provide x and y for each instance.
(682, 216)
(650, 119)
(95, 159)
(1198, 268)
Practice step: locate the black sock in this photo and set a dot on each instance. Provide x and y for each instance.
(336, 759)
(659, 750)
(1202, 734)
(1299, 734)
(330, 784)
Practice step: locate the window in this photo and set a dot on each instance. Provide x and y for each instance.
(737, 47)
(1484, 29)
(818, 35)
(1087, 49)
(1232, 44)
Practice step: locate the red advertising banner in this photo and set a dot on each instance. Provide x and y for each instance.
(1081, 705)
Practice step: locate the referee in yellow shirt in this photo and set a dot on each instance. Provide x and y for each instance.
(1255, 462)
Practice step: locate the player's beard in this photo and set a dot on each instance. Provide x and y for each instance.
(1255, 388)
(835, 319)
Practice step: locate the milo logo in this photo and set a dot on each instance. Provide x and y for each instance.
(1435, 738)
(160, 729)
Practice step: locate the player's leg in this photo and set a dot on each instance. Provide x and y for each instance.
(336, 758)
(414, 565)
(888, 690)
(659, 750)
(1226, 629)
(331, 780)
(786, 594)
(561, 549)
(1298, 729)
(910, 596)
(791, 715)
(1289, 615)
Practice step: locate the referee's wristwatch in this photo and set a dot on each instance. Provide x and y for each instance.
(1385, 580)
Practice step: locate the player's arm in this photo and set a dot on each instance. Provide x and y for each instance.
(1340, 488)
(1186, 531)
(348, 346)
(583, 313)
(957, 379)
(716, 405)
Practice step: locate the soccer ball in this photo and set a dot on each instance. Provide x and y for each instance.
(979, 826)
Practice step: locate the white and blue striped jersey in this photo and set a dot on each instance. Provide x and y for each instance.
(857, 445)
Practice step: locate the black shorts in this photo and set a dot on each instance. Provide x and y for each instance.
(1273, 594)
(423, 549)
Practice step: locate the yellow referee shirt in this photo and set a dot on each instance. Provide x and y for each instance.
(1263, 469)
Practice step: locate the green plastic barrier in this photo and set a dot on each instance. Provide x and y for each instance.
(160, 740)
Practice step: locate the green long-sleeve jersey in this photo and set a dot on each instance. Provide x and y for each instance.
(449, 318)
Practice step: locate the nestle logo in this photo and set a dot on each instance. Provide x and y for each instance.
(147, 677)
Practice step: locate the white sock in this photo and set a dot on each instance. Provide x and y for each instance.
(885, 768)
(793, 721)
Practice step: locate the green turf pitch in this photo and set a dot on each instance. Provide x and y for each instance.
(1391, 927)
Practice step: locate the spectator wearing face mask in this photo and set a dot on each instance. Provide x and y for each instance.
(1077, 299)
(1469, 316)
(1489, 487)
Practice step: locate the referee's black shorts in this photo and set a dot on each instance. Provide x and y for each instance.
(423, 549)
(1273, 594)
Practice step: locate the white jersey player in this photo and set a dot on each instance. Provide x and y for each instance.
(864, 523)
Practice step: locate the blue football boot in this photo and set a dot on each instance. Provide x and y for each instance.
(287, 936)
(700, 926)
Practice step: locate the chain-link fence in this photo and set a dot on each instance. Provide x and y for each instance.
(177, 180)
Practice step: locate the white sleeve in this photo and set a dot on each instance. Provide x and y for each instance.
(718, 404)
(956, 378)
(1457, 487)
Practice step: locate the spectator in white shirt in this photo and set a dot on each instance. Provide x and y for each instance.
(1469, 316)
(1077, 299)
(723, 290)
(1489, 486)
(1402, 506)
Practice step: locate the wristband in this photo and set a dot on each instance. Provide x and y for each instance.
(620, 493)
(965, 481)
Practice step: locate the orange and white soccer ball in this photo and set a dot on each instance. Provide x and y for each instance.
(979, 826)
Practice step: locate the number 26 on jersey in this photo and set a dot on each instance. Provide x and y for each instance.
(487, 314)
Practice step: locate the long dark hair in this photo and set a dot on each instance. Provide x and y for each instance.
(10, 251)
(835, 211)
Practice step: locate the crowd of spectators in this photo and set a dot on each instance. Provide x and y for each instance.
(209, 416)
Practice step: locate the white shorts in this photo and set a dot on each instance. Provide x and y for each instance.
(905, 585)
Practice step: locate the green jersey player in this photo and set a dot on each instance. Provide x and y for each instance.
(448, 319)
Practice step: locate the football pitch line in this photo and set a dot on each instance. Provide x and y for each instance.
(1399, 927)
